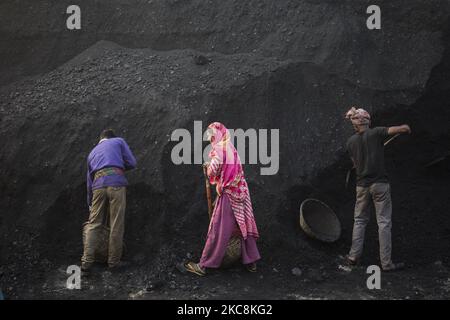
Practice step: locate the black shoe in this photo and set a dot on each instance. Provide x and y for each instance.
(118, 267)
(394, 267)
(87, 272)
(351, 262)
(89, 269)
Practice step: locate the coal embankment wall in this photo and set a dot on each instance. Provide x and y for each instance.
(301, 65)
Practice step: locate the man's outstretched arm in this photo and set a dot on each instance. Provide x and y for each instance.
(128, 157)
(399, 130)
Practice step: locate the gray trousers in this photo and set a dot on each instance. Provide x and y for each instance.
(380, 195)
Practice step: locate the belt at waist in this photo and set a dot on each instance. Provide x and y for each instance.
(111, 171)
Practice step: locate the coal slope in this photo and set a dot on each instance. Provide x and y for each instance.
(330, 33)
(50, 121)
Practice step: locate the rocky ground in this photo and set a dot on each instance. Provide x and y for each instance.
(151, 67)
(277, 278)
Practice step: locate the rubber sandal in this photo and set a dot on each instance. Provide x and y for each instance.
(251, 267)
(194, 268)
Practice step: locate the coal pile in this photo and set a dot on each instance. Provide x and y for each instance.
(156, 66)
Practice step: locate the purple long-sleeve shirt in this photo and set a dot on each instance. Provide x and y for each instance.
(113, 152)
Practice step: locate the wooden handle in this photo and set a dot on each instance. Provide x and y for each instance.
(208, 192)
(389, 141)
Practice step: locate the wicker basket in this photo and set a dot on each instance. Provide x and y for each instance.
(233, 252)
(319, 221)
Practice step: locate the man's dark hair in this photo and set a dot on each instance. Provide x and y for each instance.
(107, 134)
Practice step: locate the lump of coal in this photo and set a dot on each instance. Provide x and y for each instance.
(296, 272)
(201, 60)
(155, 285)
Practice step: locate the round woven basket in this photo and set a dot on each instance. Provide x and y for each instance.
(233, 252)
(319, 221)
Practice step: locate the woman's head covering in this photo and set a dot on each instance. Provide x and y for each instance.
(231, 178)
(224, 150)
(358, 116)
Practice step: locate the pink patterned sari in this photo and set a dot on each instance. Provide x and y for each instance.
(225, 172)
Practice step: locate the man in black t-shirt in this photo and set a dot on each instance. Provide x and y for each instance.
(366, 148)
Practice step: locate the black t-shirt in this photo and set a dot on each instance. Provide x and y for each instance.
(367, 152)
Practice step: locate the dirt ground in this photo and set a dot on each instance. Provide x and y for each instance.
(330, 279)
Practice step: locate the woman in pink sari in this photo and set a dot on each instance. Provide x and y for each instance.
(233, 212)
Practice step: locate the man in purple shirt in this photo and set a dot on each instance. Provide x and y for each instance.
(106, 196)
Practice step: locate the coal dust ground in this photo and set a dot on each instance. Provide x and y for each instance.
(149, 67)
